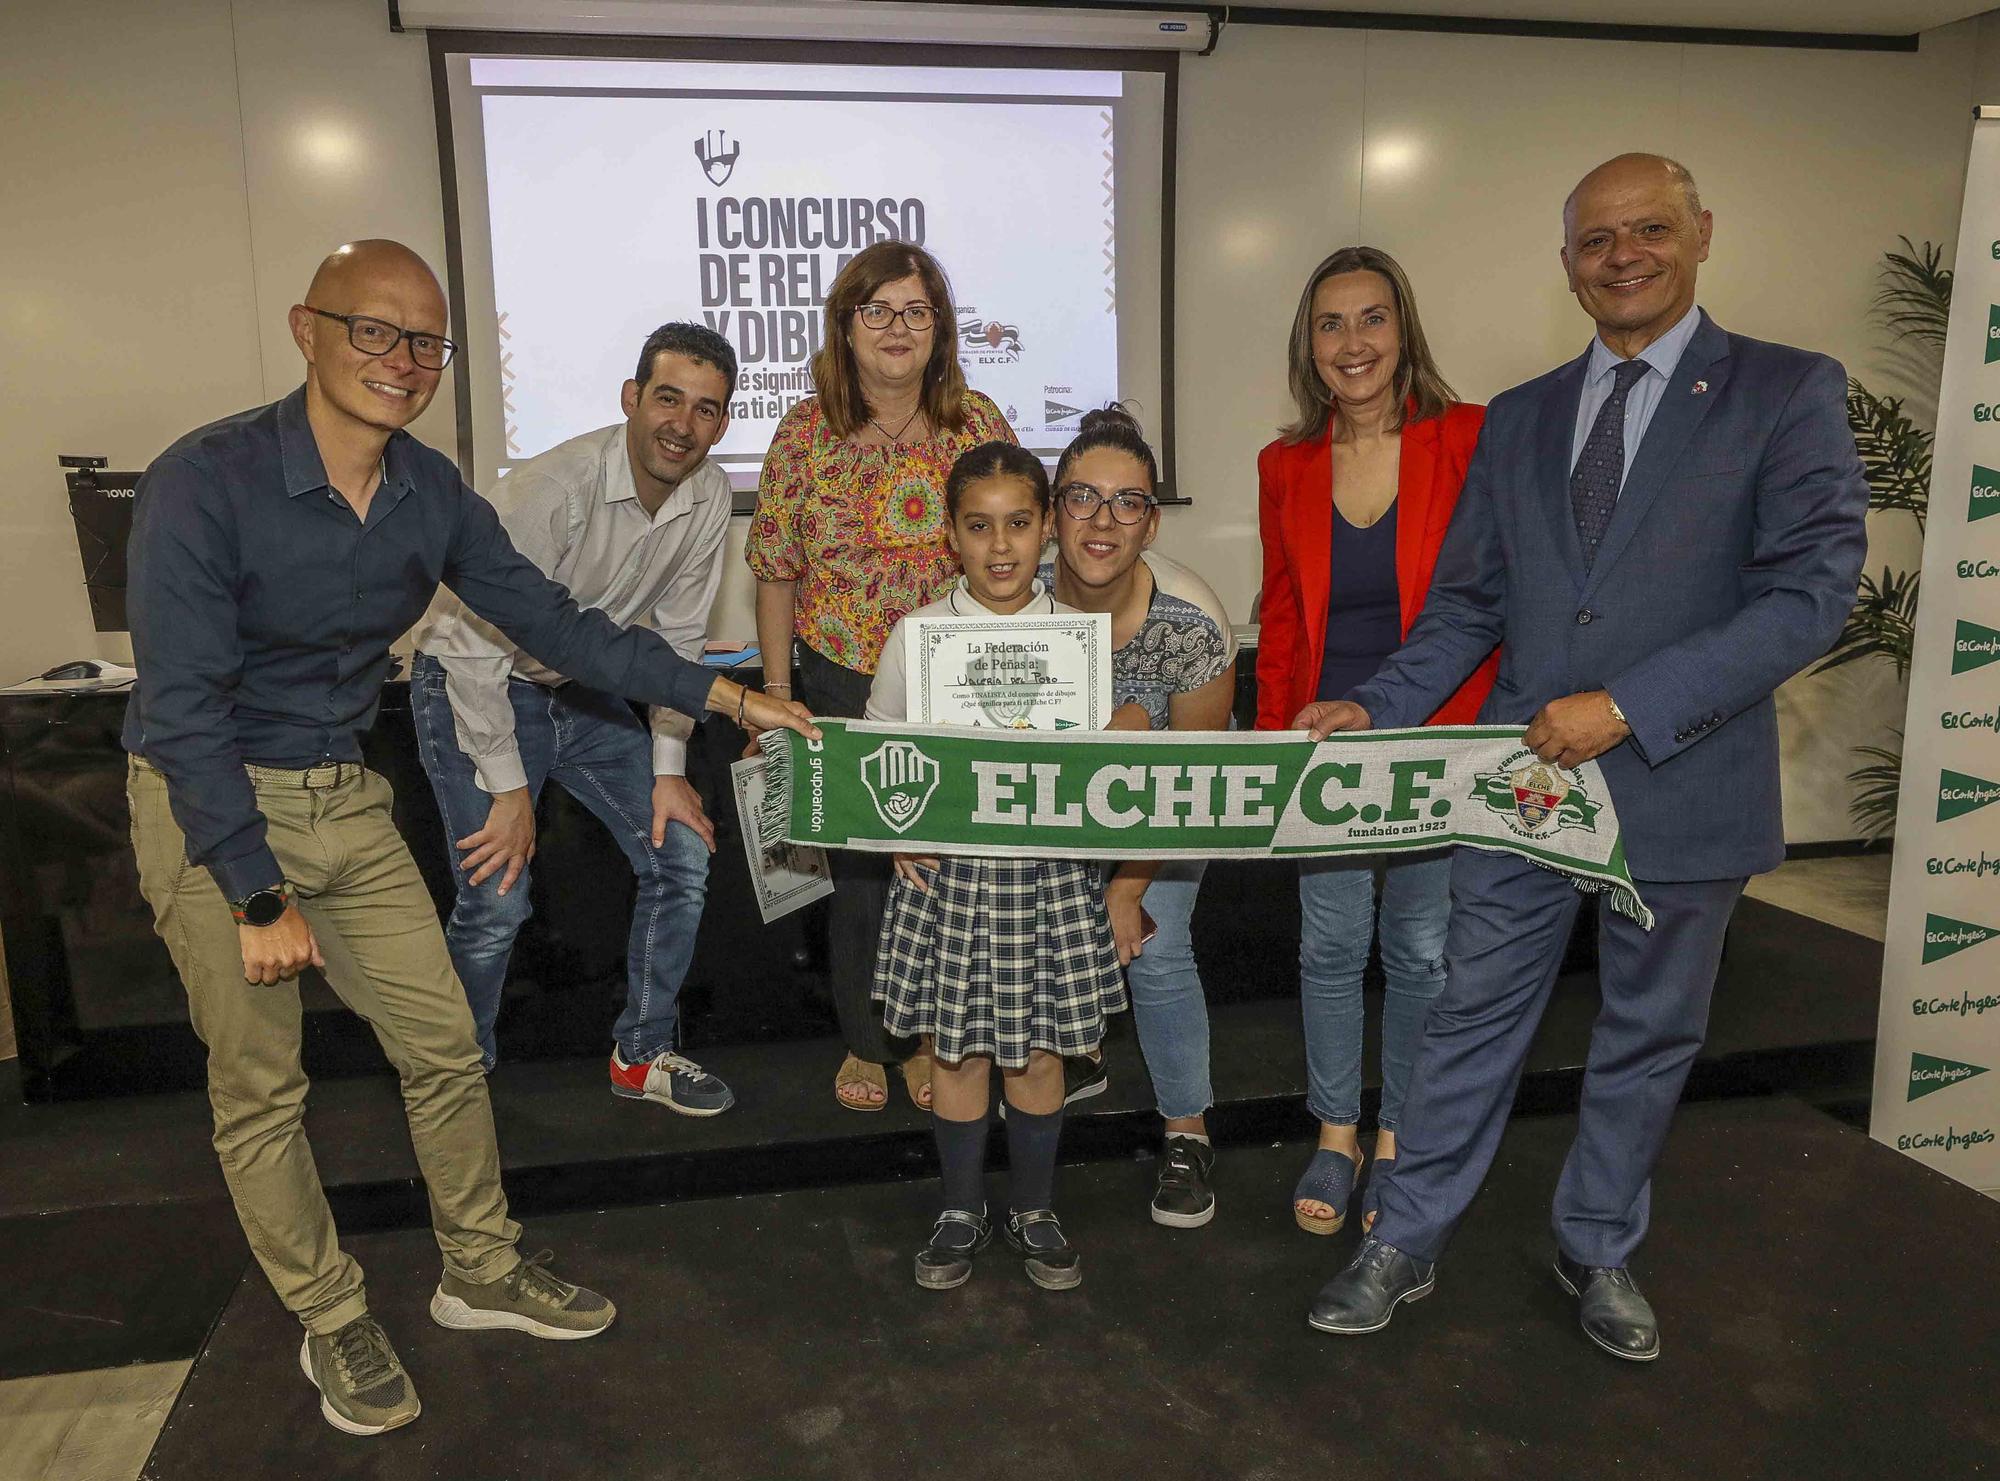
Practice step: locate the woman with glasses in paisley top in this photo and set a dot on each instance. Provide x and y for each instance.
(847, 539)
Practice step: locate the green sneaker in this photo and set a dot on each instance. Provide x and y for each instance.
(527, 1298)
(363, 1389)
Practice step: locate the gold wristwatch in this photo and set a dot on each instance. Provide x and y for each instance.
(1616, 713)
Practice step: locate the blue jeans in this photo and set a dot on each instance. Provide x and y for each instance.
(601, 753)
(1167, 1001)
(1337, 922)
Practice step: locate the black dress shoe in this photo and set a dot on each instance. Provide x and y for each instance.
(946, 1261)
(1366, 1294)
(1046, 1253)
(1615, 1316)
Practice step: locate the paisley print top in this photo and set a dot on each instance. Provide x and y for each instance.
(860, 529)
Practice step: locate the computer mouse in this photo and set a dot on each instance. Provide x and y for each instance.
(82, 668)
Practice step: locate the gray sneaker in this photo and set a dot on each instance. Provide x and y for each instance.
(363, 1389)
(527, 1298)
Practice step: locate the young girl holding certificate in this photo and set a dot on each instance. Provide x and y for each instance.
(994, 961)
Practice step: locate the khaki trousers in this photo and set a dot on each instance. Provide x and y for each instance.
(359, 889)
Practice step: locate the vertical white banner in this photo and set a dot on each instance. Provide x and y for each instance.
(1937, 1053)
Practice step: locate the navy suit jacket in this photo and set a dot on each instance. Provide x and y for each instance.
(1730, 564)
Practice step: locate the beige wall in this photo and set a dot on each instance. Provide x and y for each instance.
(174, 173)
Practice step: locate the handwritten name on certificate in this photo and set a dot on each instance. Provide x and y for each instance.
(1025, 673)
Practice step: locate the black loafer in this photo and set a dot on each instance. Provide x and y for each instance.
(947, 1262)
(1614, 1314)
(1365, 1295)
(1049, 1258)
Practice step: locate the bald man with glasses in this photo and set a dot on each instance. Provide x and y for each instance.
(275, 556)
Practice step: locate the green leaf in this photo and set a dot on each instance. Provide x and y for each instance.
(1873, 806)
(1915, 296)
(1895, 452)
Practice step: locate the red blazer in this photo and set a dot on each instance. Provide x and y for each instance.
(1295, 520)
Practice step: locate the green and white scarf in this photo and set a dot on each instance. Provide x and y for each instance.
(1114, 794)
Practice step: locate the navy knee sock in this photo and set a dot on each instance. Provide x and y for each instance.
(1031, 1158)
(962, 1157)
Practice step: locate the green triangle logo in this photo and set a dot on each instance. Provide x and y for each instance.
(1945, 937)
(1959, 794)
(1985, 493)
(1929, 1074)
(1973, 646)
(1993, 334)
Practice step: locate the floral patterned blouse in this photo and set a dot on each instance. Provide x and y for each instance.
(860, 529)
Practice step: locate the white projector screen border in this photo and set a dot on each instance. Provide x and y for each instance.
(469, 266)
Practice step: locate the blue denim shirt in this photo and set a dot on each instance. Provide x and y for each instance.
(262, 610)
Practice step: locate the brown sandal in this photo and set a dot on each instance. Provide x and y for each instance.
(854, 1072)
(917, 1078)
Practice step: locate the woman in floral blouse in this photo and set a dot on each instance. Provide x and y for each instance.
(847, 539)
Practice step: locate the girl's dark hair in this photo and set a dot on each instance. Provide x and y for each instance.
(995, 459)
(1109, 426)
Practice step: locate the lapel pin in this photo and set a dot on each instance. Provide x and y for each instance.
(1698, 387)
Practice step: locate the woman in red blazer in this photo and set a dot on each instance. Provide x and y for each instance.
(1353, 501)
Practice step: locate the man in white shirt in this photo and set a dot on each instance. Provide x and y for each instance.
(631, 519)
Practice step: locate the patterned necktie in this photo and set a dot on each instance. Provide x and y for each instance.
(1600, 467)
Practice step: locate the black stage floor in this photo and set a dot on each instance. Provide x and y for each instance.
(1828, 1311)
(1794, 1011)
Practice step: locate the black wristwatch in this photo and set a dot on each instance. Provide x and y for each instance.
(263, 907)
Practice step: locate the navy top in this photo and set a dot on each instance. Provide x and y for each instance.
(1364, 622)
(262, 611)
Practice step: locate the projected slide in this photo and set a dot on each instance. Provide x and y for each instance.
(621, 193)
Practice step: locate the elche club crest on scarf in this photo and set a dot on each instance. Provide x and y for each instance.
(1537, 798)
(900, 779)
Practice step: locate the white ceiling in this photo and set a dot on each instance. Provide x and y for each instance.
(1886, 17)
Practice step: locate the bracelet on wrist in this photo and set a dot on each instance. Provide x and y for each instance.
(742, 699)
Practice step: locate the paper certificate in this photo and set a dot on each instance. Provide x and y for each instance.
(785, 876)
(1026, 673)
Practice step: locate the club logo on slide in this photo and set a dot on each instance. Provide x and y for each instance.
(1539, 799)
(1929, 1075)
(1959, 794)
(1055, 411)
(1985, 494)
(1973, 646)
(900, 779)
(718, 154)
(988, 341)
(1945, 937)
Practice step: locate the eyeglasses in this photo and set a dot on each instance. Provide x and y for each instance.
(878, 315)
(1128, 506)
(379, 336)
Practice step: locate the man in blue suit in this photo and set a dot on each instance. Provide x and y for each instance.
(1657, 535)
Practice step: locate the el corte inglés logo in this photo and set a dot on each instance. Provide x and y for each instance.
(1985, 493)
(1929, 1074)
(1945, 937)
(1973, 646)
(1959, 794)
(1993, 334)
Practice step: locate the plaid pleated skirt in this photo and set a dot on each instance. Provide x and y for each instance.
(1000, 957)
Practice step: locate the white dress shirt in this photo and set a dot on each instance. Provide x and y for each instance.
(574, 512)
(1662, 357)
